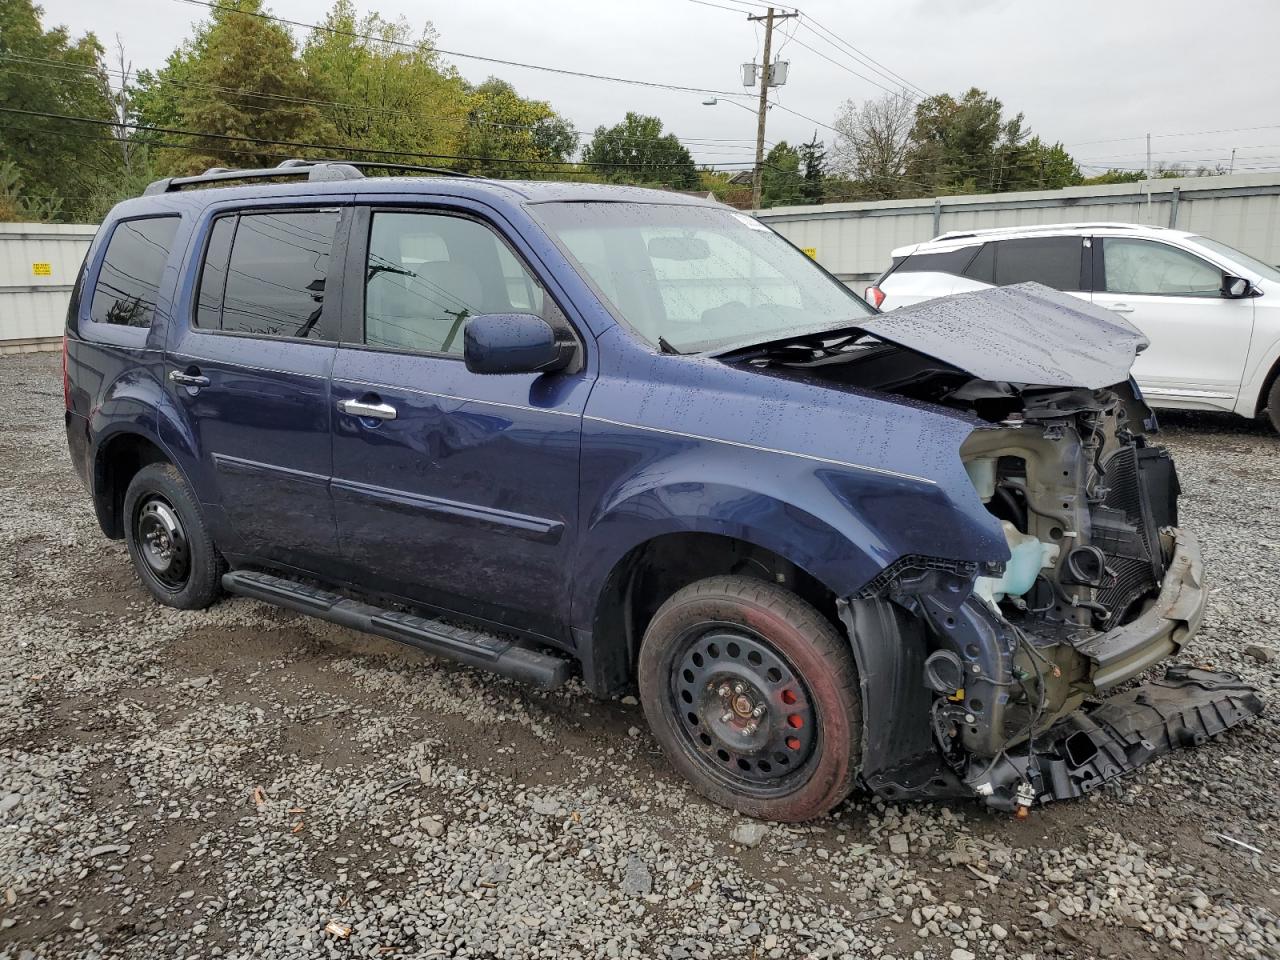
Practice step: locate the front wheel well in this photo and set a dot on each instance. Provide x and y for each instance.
(651, 572)
(116, 465)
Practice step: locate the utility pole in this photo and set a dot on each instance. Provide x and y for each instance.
(766, 76)
(1148, 156)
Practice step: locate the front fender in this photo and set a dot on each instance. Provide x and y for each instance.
(841, 524)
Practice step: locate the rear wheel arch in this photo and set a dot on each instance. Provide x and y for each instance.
(117, 462)
(651, 572)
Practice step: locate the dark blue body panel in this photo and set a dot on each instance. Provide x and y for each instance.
(506, 498)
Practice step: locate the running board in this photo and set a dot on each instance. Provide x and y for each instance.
(475, 648)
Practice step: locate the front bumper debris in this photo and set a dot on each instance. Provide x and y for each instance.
(1160, 631)
(1114, 737)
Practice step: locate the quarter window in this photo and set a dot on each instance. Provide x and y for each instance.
(129, 281)
(1146, 267)
(1053, 261)
(427, 273)
(265, 273)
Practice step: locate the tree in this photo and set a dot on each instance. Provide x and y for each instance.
(873, 145)
(962, 146)
(502, 126)
(636, 151)
(240, 77)
(782, 180)
(813, 169)
(383, 87)
(57, 165)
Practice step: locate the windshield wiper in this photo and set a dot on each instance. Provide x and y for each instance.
(666, 347)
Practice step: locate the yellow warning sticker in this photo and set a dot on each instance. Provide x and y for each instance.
(41, 270)
(811, 252)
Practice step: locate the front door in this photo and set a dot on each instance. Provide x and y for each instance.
(452, 489)
(250, 374)
(1199, 338)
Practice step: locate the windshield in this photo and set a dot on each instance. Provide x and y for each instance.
(698, 278)
(1265, 270)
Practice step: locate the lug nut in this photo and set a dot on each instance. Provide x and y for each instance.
(739, 688)
(750, 728)
(758, 712)
(726, 716)
(724, 690)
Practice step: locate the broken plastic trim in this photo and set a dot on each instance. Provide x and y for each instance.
(1111, 739)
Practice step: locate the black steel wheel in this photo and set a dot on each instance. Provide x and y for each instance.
(754, 697)
(170, 546)
(163, 541)
(743, 707)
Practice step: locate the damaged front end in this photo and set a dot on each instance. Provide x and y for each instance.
(994, 675)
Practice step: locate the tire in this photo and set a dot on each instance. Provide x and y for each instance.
(1272, 409)
(168, 540)
(722, 649)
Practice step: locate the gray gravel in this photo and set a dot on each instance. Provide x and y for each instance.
(244, 782)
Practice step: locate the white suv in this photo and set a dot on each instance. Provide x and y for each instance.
(1212, 313)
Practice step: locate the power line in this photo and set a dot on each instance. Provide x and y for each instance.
(351, 148)
(810, 22)
(1161, 136)
(576, 132)
(847, 69)
(465, 56)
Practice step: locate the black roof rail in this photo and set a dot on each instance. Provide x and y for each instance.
(289, 168)
(318, 170)
(384, 165)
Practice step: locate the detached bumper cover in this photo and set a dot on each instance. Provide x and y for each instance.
(1162, 630)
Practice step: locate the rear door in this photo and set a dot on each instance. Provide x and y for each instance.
(461, 492)
(1199, 338)
(249, 371)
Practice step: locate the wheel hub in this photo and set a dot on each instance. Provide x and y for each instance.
(163, 543)
(746, 712)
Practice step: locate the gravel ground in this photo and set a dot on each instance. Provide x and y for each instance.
(246, 782)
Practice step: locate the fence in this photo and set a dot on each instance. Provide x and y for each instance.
(853, 240)
(38, 264)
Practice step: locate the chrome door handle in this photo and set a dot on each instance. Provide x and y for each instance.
(1121, 308)
(188, 379)
(374, 411)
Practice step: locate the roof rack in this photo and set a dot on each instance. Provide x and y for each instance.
(317, 170)
(1041, 227)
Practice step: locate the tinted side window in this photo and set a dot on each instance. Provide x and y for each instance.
(129, 281)
(953, 262)
(1053, 261)
(276, 274)
(428, 272)
(213, 274)
(1145, 266)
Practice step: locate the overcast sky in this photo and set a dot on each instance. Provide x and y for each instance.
(1094, 74)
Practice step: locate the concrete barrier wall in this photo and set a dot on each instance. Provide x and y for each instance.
(38, 265)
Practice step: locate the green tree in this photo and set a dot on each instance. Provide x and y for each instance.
(383, 87)
(637, 151)
(1040, 166)
(238, 76)
(501, 126)
(782, 180)
(813, 169)
(54, 167)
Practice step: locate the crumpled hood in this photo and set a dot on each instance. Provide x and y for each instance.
(1026, 334)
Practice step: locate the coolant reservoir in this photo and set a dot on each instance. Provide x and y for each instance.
(1027, 557)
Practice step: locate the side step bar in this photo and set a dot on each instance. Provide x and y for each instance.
(472, 647)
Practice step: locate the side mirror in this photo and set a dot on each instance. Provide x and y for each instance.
(513, 343)
(1234, 288)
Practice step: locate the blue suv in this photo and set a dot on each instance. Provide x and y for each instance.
(548, 428)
